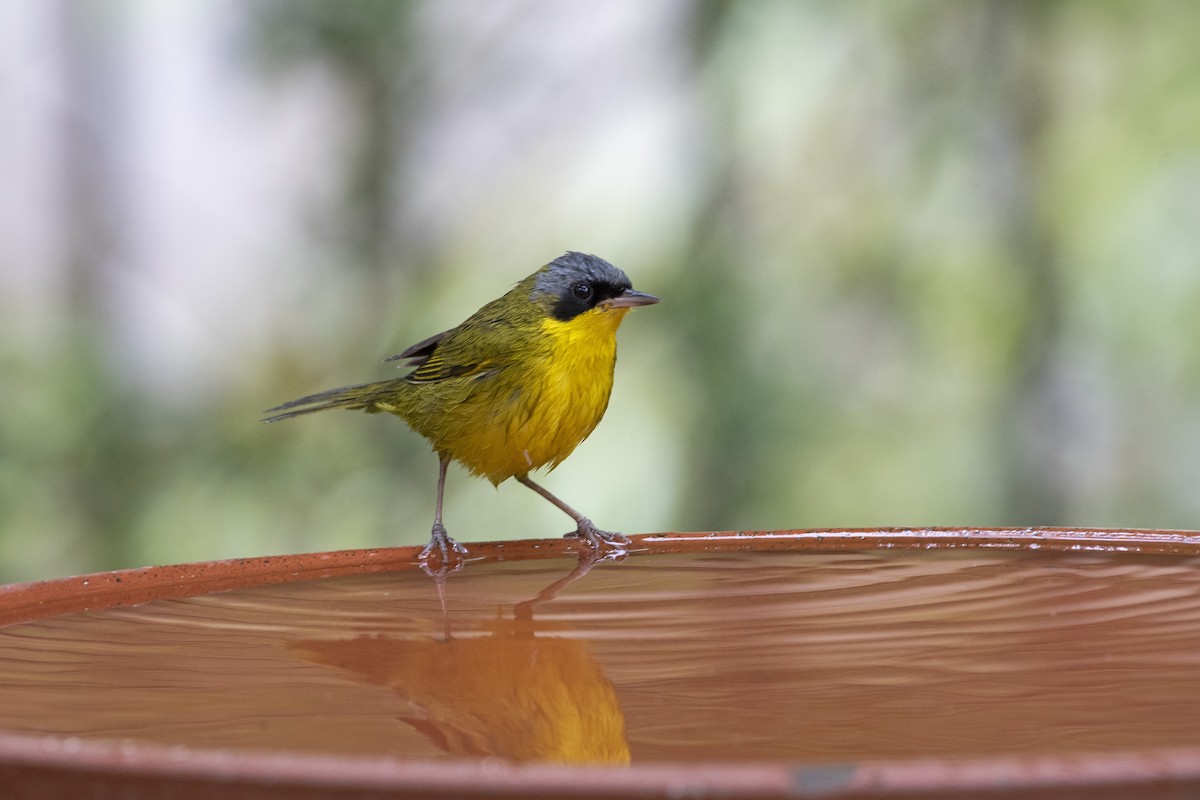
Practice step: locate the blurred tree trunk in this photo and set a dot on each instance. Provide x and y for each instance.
(727, 453)
(366, 44)
(1016, 60)
(103, 474)
(90, 211)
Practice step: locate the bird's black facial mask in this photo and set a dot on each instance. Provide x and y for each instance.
(577, 282)
(583, 296)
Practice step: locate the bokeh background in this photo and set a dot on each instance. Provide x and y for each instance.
(930, 262)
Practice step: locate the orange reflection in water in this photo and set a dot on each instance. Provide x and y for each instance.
(515, 692)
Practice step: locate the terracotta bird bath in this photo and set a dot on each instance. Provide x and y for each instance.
(827, 664)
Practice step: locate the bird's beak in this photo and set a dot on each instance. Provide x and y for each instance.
(628, 299)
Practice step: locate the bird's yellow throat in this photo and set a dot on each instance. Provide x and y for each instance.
(566, 399)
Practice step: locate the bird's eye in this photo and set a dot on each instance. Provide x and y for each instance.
(581, 291)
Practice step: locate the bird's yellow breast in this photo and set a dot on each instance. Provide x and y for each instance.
(534, 411)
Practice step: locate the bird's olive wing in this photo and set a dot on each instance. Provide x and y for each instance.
(433, 363)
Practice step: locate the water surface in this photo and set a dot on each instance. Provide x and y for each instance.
(742, 656)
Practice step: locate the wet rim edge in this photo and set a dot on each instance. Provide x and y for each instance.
(22, 602)
(104, 765)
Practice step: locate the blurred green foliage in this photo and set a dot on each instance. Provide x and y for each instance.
(926, 263)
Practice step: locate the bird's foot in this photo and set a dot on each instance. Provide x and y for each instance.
(600, 540)
(441, 543)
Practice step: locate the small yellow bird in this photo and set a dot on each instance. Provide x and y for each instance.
(515, 387)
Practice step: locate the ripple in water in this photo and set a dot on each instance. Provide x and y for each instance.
(792, 656)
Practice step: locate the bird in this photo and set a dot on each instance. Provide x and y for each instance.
(513, 388)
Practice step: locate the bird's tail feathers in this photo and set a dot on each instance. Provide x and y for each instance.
(364, 396)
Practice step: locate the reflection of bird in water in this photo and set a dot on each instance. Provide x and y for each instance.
(511, 693)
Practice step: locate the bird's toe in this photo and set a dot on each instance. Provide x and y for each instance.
(441, 543)
(596, 538)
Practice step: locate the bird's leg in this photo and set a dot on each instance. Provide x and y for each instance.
(587, 529)
(440, 539)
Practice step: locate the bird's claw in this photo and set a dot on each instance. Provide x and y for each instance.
(595, 538)
(447, 549)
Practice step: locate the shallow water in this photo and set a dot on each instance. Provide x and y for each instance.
(794, 656)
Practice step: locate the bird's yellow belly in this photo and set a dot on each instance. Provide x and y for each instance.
(508, 424)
